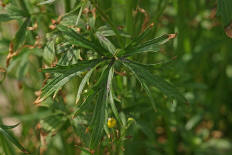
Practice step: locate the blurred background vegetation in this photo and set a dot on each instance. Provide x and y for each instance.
(201, 67)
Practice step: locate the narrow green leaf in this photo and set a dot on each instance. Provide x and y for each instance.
(49, 52)
(84, 150)
(137, 40)
(8, 126)
(152, 45)
(153, 80)
(82, 84)
(106, 43)
(46, 2)
(108, 20)
(16, 12)
(6, 146)
(12, 139)
(150, 96)
(85, 104)
(76, 39)
(98, 118)
(21, 34)
(5, 18)
(66, 73)
(224, 10)
(85, 64)
(113, 107)
(56, 84)
(106, 31)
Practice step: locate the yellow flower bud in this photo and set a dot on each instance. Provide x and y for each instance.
(111, 122)
(130, 119)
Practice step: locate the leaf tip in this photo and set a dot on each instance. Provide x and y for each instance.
(172, 36)
(151, 25)
(38, 100)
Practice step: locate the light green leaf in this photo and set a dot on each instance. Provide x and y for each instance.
(47, 2)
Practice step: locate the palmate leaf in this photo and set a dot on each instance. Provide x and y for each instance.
(65, 73)
(10, 137)
(98, 118)
(147, 78)
(77, 39)
(152, 45)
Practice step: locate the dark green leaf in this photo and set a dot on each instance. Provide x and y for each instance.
(12, 139)
(66, 73)
(85, 104)
(224, 10)
(8, 126)
(49, 52)
(106, 43)
(5, 18)
(114, 108)
(85, 64)
(152, 45)
(137, 40)
(77, 39)
(21, 34)
(153, 80)
(98, 118)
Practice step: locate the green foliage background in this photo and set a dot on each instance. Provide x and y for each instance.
(152, 116)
